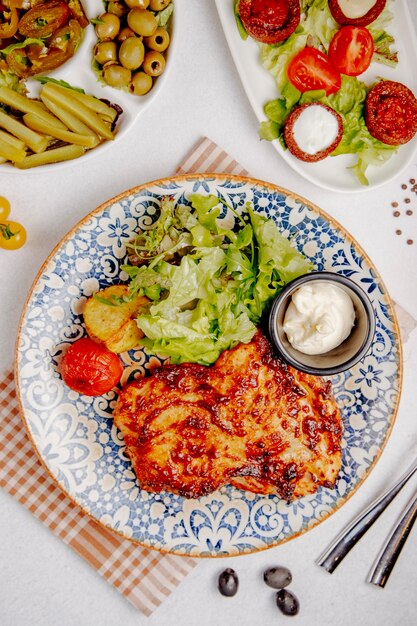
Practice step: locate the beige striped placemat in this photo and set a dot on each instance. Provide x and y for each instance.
(145, 577)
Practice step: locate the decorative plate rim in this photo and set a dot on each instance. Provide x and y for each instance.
(254, 182)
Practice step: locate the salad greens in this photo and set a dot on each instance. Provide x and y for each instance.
(208, 283)
(317, 28)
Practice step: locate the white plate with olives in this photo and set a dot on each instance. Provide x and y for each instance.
(125, 54)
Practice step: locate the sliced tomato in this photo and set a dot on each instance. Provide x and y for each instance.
(311, 69)
(44, 19)
(351, 50)
(90, 368)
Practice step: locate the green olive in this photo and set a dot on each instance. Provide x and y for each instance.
(159, 41)
(153, 63)
(117, 8)
(132, 53)
(105, 51)
(143, 22)
(125, 33)
(117, 76)
(137, 4)
(108, 27)
(140, 84)
(158, 5)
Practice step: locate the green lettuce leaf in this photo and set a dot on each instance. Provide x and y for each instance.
(383, 41)
(10, 80)
(242, 30)
(211, 297)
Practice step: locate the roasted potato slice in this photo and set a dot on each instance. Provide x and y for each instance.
(114, 326)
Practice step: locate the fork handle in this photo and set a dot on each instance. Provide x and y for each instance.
(348, 538)
(393, 546)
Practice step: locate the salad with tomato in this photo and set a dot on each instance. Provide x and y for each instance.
(322, 61)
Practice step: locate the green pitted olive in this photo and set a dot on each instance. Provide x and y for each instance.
(140, 84)
(159, 41)
(153, 63)
(139, 4)
(158, 5)
(125, 33)
(117, 8)
(105, 51)
(143, 22)
(116, 75)
(132, 53)
(108, 27)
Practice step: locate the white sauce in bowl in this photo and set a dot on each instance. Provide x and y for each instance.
(319, 318)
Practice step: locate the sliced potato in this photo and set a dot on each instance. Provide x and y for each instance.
(114, 326)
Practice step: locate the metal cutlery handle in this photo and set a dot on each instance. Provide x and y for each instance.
(391, 551)
(350, 535)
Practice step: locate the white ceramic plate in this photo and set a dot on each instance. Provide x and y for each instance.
(331, 173)
(75, 437)
(78, 72)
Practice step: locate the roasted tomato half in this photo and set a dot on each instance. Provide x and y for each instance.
(269, 21)
(44, 19)
(391, 112)
(356, 12)
(311, 69)
(351, 50)
(90, 368)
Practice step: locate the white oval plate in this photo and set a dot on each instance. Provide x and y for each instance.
(75, 437)
(78, 72)
(331, 173)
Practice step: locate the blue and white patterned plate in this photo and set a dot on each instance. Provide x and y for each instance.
(75, 437)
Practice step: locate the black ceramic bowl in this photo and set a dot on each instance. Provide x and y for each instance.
(344, 356)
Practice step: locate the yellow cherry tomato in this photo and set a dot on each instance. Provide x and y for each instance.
(4, 208)
(12, 235)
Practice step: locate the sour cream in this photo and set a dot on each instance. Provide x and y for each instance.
(315, 129)
(356, 8)
(319, 317)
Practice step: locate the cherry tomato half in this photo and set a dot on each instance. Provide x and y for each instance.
(311, 69)
(12, 235)
(90, 368)
(4, 208)
(351, 50)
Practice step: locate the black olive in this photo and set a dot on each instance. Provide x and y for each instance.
(287, 602)
(228, 582)
(278, 577)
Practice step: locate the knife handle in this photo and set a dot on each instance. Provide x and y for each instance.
(391, 550)
(348, 538)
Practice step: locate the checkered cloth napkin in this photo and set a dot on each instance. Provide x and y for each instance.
(145, 577)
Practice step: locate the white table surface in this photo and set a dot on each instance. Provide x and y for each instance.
(43, 582)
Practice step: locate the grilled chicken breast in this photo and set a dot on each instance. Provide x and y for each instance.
(249, 420)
